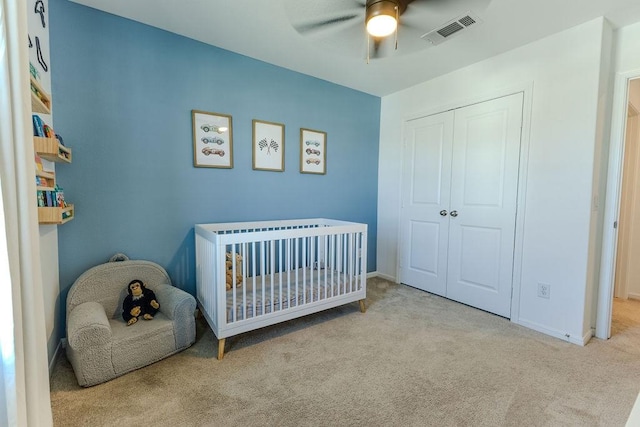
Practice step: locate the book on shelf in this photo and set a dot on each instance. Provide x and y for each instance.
(42, 181)
(48, 131)
(41, 129)
(38, 126)
(60, 197)
(38, 162)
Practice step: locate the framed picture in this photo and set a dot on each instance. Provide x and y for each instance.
(313, 151)
(212, 140)
(268, 146)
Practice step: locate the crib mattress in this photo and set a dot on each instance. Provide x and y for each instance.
(284, 290)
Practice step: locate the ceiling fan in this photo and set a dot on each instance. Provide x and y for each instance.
(382, 27)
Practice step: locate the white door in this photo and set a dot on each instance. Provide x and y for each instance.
(426, 187)
(484, 188)
(466, 255)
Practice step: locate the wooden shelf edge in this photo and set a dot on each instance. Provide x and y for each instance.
(39, 105)
(45, 174)
(50, 178)
(50, 148)
(53, 215)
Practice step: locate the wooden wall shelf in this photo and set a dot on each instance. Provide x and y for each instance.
(51, 180)
(55, 215)
(51, 149)
(40, 100)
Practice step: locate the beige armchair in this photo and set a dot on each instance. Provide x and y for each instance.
(100, 345)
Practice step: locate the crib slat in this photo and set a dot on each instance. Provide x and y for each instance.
(263, 275)
(253, 281)
(304, 270)
(296, 268)
(324, 262)
(280, 271)
(350, 266)
(332, 253)
(309, 266)
(244, 275)
(272, 267)
(288, 262)
(233, 282)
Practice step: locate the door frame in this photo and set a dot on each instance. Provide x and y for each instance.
(527, 90)
(621, 284)
(612, 202)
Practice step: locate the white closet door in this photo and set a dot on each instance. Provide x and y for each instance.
(426, 187)
(484, 184)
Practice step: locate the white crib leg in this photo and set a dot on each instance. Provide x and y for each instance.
(363, 307)
(221, 348)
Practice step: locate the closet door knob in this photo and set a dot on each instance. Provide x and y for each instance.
(443, 213)
(454, 213)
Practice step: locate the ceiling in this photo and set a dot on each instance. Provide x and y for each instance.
(262, 29)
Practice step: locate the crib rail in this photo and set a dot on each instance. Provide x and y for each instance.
(278, 270)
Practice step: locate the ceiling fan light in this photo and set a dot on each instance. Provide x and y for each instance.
(381, 17)
(381, 25)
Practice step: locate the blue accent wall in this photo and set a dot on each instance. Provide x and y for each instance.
(122, 99)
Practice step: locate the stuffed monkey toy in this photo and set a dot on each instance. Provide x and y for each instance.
(140, 301)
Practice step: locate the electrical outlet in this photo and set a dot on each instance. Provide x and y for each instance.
(544, 290)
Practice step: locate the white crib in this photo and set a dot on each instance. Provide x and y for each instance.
(288, 269)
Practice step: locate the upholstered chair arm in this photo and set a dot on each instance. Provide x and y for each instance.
(174, 302)
(180, 307)
(88, 326)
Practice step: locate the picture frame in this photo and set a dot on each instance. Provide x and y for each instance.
(313, 151)
(268, 146)
(212, 140)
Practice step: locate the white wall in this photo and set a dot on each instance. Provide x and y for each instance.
(628, 49)
(48, 233)
(601, 162)
(563, 74)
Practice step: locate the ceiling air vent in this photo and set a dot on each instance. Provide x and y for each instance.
(452, 27)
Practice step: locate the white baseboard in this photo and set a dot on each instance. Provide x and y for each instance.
(588, 335)
(634, 416)
(580, 340)
(382, 276)
(633, 296)
(56, 354)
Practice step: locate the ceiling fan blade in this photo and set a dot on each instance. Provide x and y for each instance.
(316, 18)
(375, 51)
(383, 47)
(428, 14)
(311, 26)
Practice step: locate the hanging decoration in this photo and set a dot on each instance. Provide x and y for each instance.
(41, 61)
(39, 8)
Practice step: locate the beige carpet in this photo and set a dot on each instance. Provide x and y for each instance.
(413, 359)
